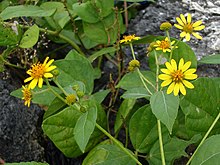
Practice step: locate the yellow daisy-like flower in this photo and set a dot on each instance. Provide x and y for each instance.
(164, 45)
(188, 27)
(39, 71)
(177, 77)
(129, 38)
(27, 96)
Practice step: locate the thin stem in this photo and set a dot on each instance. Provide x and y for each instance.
(140, 75)
(60, 87)
(161, 142)
(157, 70)
(132, 51)
(118, 143)
(204, 138)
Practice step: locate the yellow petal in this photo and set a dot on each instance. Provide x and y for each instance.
(179, 21)
(183, 34)
(172, 42)
(181, 63)
(176, 89)
(45, 61)
(199, 27)
(186, 66)
(178, 26)
(187, 36)
(50, 68)
(190, 71)
(197, 35)
(170, 88)
(183, 18)
(158, 42)
(174, 65)
(48, 75)
(164, 77)
(158, 48)
(166, 71)
(197, 23)
(29, 72)
(169, 66)
(40, 82)
(28, 79)
(33, 83)
(166, 82)
(190, 76)
(188, 84)
(166, 39)
(49, 63)
(189, 18)
(182, 89)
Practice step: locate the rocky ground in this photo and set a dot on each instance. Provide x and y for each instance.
(21, 138)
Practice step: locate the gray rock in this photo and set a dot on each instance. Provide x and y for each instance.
(19, 128)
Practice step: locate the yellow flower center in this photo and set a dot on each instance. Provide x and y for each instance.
(26, 94)
(37, 70)
(129, 38)
(165, 44)
(177, 76)
(188, 28)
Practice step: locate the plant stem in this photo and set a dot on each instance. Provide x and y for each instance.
(161, 142)
(132, 51)
(157, 70)
(59, 86)
(118, 143)
(204, 138)
(140, 75)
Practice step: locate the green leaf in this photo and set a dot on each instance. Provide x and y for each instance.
(136, 93)
(100, 96)
(212, 59)
(85, 126)
(27, 163)
(27, 10)
(143, 129)
(7, 36)
(101, 52)
(209, 152)
(165, 108)
(30, 37)
(108, 154)
(201, 106)
(75, 67)
(173, 148)
(123, 112)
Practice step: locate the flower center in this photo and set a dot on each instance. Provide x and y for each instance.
(37, 70)
(177, 76)
(188, 28)
(165, 44)
(26, 94)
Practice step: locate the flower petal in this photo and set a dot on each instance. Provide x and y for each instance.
(176, 89)
(198, 28)
(182, 89)
(45, 61)
(183, 34)
(178, 26)
(197, 35)
(190, 71)
(28, 79)
(166, 71)
(189, 18)
(40, 82)
(166, 82)
(50, 68)
(190, 76)
(170, 88)
(48, 75)
(33, 83)
(174, 65)
(183, 18)
(187, 36)
(188, 84)
(172, 42)
(179, 21)
(181, 63)
(49, 63)
(164, 77)
(197, 23)
(169, 66)
(186, 66)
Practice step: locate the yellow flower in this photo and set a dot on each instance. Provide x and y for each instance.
(177, 78)
(27, 96)
(70, 99)
(164, 45)
(129, 38)
(188, 27)
(39, 71)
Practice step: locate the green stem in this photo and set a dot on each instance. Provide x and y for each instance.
(157, 70)
(140, 75)
(132, 51)
(204, 138)
(161, 143)
(59, 86)
(118, 143)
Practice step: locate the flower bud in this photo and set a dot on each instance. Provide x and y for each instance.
(165, 26)
(55, 72)
(71, 99)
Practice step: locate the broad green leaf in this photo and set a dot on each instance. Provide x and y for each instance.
(136, 93)
(105, 7)
(165, 108)
(209, 152)
(107, 154)
(201, 106)
(30, 37)
(27, 163)
(123, 112)
(212, 59)
(27, 11)
(39, 95)
(85, 126)
(101, 52)
(173, 148)
(100, 96)
(75, 67)
(145, 40)
(7, 36)
(143, 129)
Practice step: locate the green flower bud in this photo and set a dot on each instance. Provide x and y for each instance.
(165, 26)
(71, 99)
